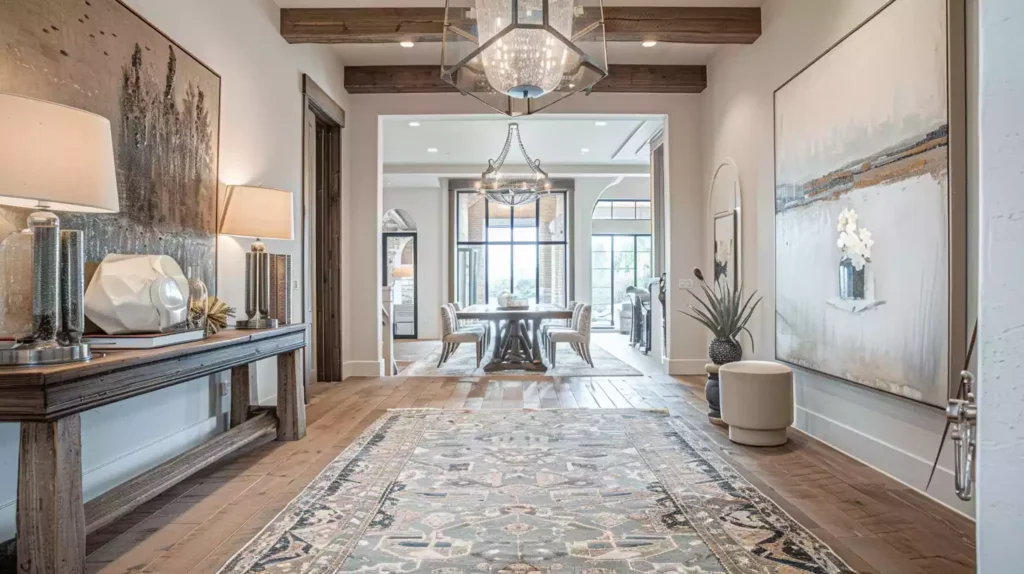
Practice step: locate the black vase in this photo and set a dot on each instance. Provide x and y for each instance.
(724, 351)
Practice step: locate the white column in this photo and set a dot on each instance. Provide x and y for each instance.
(388, 340)
(1000, 493)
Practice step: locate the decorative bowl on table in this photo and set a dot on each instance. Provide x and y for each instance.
(513, 302)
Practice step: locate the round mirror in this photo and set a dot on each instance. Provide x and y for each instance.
(724, 208)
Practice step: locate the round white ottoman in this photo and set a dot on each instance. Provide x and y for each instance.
(757, 401)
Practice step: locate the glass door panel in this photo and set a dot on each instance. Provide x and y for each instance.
(524, 271)
(499, 271)
(399, 267)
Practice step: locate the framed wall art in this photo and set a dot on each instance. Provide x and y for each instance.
(870, 209)
(164, 109)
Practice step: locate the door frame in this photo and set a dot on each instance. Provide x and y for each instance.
(317, 106)
(416, 282)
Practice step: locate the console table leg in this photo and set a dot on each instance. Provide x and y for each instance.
(291, 401)
(51, 515)
(240, 400)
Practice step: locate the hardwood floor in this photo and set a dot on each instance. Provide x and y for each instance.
(874, 523)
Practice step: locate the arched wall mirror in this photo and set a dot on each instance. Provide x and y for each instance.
(724, 208)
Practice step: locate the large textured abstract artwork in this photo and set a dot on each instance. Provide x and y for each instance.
(861, 207)
(164, 110)
(532, 492)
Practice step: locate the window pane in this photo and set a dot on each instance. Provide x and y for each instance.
(623, 210)
(624, 256)
(499, 267)
(524, 271)
(602, 295)
(601, 260)
(552, 275)
(603, 210)
(601, 278)
(643, 243)
(524, 227)
(643, 268)
(471, 216)
(601, 242)
(643, 210)
(499, 224)
(552, 217)
(623, 279)
(602, 315)
(470, 265)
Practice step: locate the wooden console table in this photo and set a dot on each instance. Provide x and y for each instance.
(47, 401)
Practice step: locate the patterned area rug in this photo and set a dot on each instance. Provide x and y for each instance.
(531, 492)
(569, 364)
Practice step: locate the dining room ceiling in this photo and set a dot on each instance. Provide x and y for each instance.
(583, 141)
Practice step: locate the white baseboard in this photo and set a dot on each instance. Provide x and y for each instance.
(362, 369)
(900, 465)
(686, 366)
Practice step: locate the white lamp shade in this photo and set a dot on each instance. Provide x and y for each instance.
(259, 212)
(55, 156)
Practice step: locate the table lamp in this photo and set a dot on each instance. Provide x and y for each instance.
(261, 213)
(54, 158)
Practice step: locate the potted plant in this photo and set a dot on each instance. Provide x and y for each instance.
(725, 313)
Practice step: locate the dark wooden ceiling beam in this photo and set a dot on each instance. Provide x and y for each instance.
(622, 24)
(621, 78)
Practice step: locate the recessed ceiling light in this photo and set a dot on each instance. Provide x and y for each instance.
(431, 150)
(585, 150)
(649, 44)
(414, 124)
(406, 44)
(600, 124)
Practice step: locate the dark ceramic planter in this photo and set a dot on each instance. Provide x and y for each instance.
(724, 351)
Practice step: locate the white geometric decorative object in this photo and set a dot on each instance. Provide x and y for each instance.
(137, 294)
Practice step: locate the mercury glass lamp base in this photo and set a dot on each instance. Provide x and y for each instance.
(256, 324)
(34, 355)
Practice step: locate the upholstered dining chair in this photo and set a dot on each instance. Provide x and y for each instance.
(470, 325)
(569, 323)
(579, 338)
(452, 337)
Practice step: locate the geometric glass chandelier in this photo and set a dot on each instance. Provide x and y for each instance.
(513, 188)
(520, 56)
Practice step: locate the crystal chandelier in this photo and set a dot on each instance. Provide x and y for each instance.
(520, 56)
(513, 189)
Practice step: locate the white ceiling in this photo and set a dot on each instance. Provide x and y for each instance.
(430, 53)
(472, 141)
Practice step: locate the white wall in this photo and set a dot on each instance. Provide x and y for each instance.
(427, 206)
(897, 436)
(1001, 336)
(260, 143)
(685, 199)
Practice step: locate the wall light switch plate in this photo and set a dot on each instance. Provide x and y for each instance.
(686, 283)
(295, 284)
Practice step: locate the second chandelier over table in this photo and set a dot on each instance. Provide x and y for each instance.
(514, 188)
(520, 56)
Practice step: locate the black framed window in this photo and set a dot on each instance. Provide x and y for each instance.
(622, 209)
(399, 267)
(523, 250)
(617, 262)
